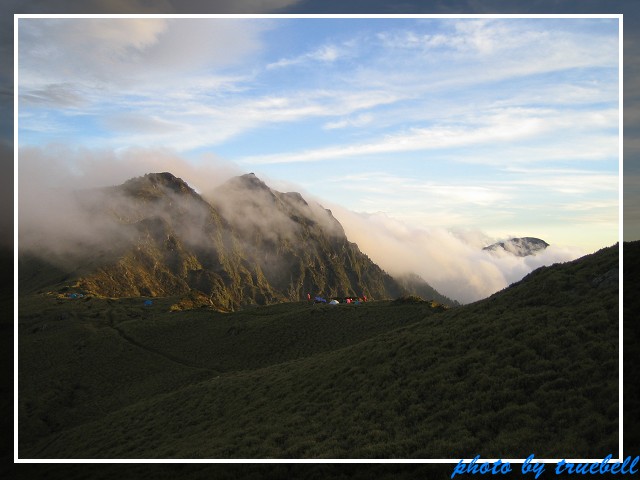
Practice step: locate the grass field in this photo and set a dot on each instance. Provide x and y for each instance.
(531, 369)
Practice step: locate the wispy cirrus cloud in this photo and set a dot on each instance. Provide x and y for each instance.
(496, 128)
(356, 121)
(453, 192)
(517, 43)
(472, 36)
(566, 180)
(325, 54)
(189, 123)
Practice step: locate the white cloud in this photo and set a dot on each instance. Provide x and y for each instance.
(573, 182)
(453, 262)
(496, 128)
(477, 37)
(417, 191)
(459, 54)
(537, 44)
(324, 54)
(64, 167)
(196, 124)
(143, 124)
(53, 50)
(430, 199)
(357, 121)
(54, 95)
(120, 53)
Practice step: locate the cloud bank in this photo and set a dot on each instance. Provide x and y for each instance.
(51, 221)
(452, 262)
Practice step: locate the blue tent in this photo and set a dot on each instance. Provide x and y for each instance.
(320, 300)
(148, 303)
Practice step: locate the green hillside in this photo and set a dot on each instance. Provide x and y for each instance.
(533, 368)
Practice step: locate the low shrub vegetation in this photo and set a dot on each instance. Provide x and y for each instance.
(533, 368)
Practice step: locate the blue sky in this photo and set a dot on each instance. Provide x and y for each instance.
(508, 126)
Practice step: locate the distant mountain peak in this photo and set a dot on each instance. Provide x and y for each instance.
(163, 177)
(520, 247)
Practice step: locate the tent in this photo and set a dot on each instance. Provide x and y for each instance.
(320, 300)
(334, 302)
(148, 303)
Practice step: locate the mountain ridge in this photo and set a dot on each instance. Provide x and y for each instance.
(243, 243)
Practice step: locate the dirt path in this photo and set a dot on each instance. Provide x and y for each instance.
(155, 351)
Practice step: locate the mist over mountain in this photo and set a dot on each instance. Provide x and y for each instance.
(301, 247)
(60, 227)
(451, 260)
(246, 244)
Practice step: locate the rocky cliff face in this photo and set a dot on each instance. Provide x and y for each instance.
(299, 246)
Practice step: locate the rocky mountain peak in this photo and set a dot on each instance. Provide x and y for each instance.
(295, 198)
(154, 184)
(249, 180)
(520, 247)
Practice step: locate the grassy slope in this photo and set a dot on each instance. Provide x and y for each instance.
(75, 366)
(532, 369)
(81, 359)
(267, 335)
